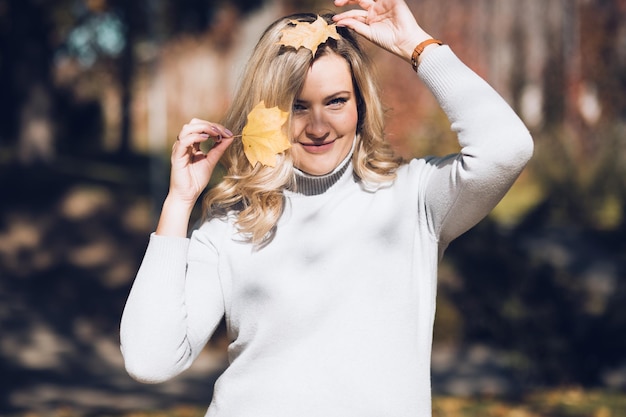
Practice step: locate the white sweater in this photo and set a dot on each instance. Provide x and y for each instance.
(333, 317)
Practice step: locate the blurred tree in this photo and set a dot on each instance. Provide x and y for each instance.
(101, 36)
(27, 92)
(581, 154)
(548, 290)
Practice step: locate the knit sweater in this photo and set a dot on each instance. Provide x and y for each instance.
(334, 316)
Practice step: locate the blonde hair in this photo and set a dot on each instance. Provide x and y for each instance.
(276, 74)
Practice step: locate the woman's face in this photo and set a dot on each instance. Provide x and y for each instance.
(325, 117)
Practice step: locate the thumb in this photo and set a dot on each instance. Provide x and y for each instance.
(218, 149)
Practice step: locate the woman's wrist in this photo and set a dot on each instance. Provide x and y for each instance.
(421, 49)
(174, 219)
(408, 45)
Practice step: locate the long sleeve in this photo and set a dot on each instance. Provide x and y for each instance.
(495, 146)
(173, 308)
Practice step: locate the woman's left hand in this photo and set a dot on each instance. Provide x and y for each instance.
(388, 23)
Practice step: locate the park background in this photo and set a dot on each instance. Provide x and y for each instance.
(531, 317)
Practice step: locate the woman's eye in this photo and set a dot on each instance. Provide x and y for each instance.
(297, 107)
(337, 101)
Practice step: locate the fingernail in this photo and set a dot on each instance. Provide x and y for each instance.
(228, 132)
(205, 135)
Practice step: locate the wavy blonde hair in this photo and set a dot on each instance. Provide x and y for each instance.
(276, 74)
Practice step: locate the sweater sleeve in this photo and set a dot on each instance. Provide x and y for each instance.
(495, 146)
(173, 308)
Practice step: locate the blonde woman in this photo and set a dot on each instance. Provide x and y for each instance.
(325, 265)
(276, 75)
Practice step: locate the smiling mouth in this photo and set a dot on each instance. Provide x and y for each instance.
(318, 144)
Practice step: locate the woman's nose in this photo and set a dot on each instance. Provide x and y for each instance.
(316, 127)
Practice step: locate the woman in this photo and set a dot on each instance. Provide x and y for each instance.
(325, 265)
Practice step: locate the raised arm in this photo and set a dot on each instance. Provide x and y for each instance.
(176, 301)
(496, 145)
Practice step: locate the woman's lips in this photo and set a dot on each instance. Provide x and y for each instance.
(318, 147)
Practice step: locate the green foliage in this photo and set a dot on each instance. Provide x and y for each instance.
(583, 172)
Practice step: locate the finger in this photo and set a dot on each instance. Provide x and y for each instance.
(199, 125)
(200, 130)
(223, 132)
(211, 128)
(218, 149)
(196, 126)
(185, 140)
(358, 25)
(362, 3)
(351, 14)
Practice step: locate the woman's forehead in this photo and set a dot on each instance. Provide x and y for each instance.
(328, 72)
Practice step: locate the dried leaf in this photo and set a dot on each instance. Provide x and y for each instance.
(308, 35)
(263, 136)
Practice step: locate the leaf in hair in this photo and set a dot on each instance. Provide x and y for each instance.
(263, 136)
(308, 35)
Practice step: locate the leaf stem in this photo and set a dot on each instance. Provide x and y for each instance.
(220, 137)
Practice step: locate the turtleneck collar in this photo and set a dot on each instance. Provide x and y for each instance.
(308, 184)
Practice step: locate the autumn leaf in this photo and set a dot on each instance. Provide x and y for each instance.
(308, 35)
(263, 137)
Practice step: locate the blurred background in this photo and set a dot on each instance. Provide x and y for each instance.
(531, 317)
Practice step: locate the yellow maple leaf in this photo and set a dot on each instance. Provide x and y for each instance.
(263, 136)
(308, 35)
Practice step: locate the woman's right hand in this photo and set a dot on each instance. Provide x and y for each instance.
(191, 168)
(191, 172)
(389, 24)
